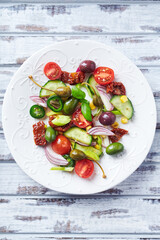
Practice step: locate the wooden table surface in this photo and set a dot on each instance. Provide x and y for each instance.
(131, 210)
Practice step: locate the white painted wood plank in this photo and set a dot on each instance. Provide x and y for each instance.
(79, 237)
(141, 49)
(80, 18)
(108, 215)
(144, 181)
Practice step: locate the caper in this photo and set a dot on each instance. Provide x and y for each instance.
(97, 101)
(77, 154)
(64, 92)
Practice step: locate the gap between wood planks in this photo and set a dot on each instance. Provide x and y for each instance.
(83, 236)
(80, 2)
(62, 196)
(81, 34)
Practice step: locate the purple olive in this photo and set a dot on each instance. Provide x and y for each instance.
(87, 66)
(107, 118)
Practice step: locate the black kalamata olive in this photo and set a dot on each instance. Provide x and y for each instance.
(107, 118)
(87, 66)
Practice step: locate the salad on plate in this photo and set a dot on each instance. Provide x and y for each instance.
(78, 130)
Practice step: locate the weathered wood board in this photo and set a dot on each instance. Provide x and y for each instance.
(129, 211)
(77, 215)
(100, 18)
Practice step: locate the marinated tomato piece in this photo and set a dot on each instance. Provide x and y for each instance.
(116, 88)
(59, 128)
(39, 133)
(72, 78)
(119, 133)
(64, 76)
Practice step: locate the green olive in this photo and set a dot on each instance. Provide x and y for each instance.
(97, 101)
(70, 105)
(77, 154)
(114, 148)
(64, 92)
(50, 134)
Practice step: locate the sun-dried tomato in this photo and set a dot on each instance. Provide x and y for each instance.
(59, 128)
(39, 133)
(116, 88)
(119, 133)
(72, 78)
(64, 76)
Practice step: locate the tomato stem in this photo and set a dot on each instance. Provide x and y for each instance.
(104, 175)
(30, 77)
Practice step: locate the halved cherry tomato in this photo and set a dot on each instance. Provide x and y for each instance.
(84, 168)
(79, 120)
(52, 70)
(103, 75)
(61, 145)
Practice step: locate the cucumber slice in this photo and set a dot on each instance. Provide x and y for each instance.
(90, 152)
(53, 85)
(126, 108)
(93, 83)
(79, 134)
(61, 120)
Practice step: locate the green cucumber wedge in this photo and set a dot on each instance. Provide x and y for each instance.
(126, 108)
(51, 85)
(79, 134)
(93, 83)
(90, 152)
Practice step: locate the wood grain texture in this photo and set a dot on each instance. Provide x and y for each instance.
(80, 18)
(131, 209)
(144, 181)
(79, 237)
(76, 215)
(141, 49)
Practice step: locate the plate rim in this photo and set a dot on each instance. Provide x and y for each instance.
(129, 173)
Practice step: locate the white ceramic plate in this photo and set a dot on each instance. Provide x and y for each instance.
(17, 122)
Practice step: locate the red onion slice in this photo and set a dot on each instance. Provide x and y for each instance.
(105, 98)
(105, 142)
(101, 88)
(53, 157)
(85, 145)
(39, 101)
(100, 131)
(78, 70)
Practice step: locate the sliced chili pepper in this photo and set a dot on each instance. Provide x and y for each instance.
(55, 103)
(119, 133)
(37, 111)
(116, 88)
(39, 133)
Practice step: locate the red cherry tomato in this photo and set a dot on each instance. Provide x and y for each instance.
(79, 120)
(52, 70)
(61, 145)
(103, 75)
(84, 168)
